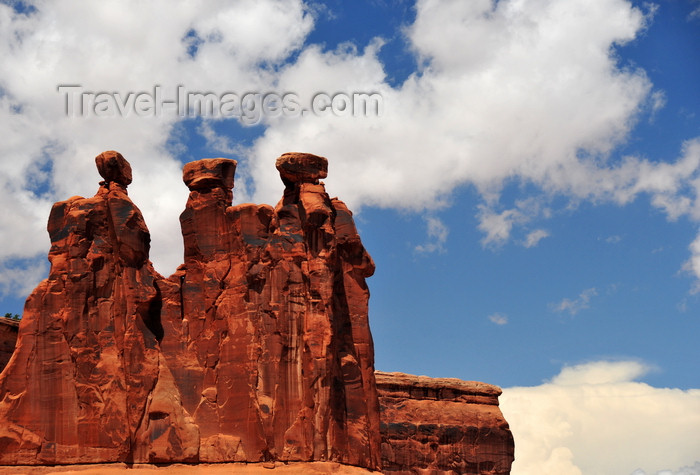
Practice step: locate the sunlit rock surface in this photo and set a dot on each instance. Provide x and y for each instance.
(442, 426)
(257, 349)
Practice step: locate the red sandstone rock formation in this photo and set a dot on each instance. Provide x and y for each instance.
(442, 426)
(87, 382)
(257, 349)
(266, 323)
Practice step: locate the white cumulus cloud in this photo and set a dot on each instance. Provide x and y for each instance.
(596, 419)
(119, 47)
(534, 94)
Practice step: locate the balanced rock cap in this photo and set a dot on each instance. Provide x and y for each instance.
(113, 167)
(209, 173)
(302, 167)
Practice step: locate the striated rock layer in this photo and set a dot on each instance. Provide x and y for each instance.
(442, 426)
(257, 349)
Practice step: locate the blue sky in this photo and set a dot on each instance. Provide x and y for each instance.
(530, 194)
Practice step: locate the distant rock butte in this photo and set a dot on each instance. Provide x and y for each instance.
(442, 425)
(257, 349)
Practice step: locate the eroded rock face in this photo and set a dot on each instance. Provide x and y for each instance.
(301, 168)
(257, 349)
(113, 168)
(442, 426)
(87, 381)
(266, 322)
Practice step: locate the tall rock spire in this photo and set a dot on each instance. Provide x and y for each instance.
(87, 380)
(270, 311)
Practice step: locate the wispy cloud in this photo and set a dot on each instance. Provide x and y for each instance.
(497, 226)
(437, 236)
(499, 318)
(695, 14)
(533, 238)
(687, 470)
(573, 306)
(657, 102)
(692, 265)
